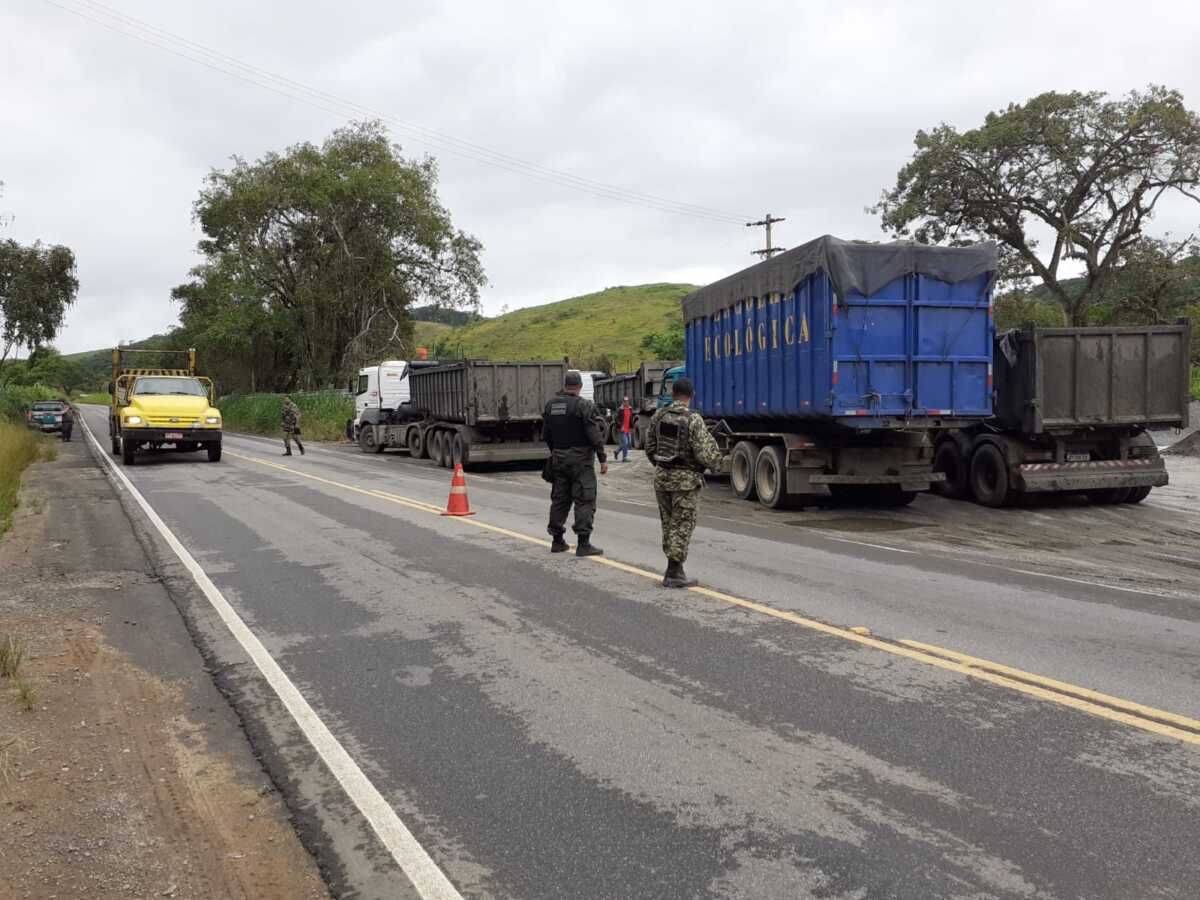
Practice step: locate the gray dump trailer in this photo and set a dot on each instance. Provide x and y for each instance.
(471, 411)
(641, 387)
(1071, 410)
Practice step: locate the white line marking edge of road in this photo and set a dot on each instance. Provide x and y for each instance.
(429, 880)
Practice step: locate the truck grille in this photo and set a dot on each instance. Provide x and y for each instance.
(171, 422)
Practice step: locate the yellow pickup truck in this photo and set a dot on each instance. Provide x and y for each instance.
(159, 408)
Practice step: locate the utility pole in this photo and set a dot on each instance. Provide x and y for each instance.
(766, 222)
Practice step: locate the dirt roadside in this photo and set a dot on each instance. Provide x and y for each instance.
(130, 775)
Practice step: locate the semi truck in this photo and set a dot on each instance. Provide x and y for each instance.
(642, 387)
(154, 408)
(468, 411)
(823, 371)
(382, 391)
(1072, 406)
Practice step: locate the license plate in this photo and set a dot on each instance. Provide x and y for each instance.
(174, 435)
(1079, 457)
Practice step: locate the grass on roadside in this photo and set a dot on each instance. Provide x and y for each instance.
(18, 448)
(25, 694)
(322, 415)
(12, 653)
(95, 399)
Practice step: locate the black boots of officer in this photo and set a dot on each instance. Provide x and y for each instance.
(558, 545)
(675, 577)
(585, 547)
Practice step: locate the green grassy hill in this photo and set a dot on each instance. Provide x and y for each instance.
(611, 322)
(426, 334)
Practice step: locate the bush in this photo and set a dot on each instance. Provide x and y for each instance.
(323, 415)
(14, 400)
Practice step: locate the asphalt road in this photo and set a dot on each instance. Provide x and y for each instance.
(564, 728)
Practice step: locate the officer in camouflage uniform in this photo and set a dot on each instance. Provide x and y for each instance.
(679, 445)
(572, 431)
(291, 426)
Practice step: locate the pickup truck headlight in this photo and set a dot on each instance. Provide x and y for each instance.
(133, 420)
(212, 420)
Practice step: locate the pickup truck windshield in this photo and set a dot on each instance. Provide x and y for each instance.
(183, 387)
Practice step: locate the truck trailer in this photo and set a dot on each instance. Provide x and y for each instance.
(823, 371)
(641, 387)
(469, 411)
(1072, 406)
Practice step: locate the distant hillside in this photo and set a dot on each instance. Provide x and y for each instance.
(608, 323)
(442, 314)
(426, 334)
(98, 363)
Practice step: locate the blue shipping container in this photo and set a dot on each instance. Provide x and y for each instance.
(911, 347)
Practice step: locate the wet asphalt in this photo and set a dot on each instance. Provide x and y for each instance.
(550, 727)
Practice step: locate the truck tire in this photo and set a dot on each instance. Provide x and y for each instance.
(435, 445)
(742, 465)
(460, 452)
(1108, 496)
(1138, 494)
(893, 496)
(948, 459)
(366, 440)
(214, 451)
(989, 477)
(417, 447)
(128, 452)
(639, 439)
(770, 477)
(116, 445)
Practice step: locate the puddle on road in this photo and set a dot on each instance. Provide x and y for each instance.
(857, 523)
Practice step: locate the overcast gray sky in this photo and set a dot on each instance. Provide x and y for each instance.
(803, 109)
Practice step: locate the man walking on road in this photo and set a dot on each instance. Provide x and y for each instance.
(679, 445)
(572, 432)
(626, 414)
(291, 426)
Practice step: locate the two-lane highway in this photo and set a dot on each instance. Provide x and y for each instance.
(554, 727)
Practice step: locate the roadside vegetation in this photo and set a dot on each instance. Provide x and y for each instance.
(18, 444)
(323, 415)
(96, 399)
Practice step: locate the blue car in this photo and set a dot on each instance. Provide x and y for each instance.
(46, 415)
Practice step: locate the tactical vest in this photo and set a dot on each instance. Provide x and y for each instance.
(675, 439)
(564, 423)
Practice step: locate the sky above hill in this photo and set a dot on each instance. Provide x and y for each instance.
(804, 110)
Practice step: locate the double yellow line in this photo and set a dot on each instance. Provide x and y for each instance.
(1105, 706)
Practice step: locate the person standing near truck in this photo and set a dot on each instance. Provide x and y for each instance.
(572, 432)
(679, 445)
(291, 426)
(68, 421)
(626, 414)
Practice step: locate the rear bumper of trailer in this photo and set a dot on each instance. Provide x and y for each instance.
(1087, 476)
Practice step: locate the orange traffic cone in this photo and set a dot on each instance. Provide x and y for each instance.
(457, 504)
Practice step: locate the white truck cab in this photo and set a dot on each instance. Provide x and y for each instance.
(382, 386)
(589, 379)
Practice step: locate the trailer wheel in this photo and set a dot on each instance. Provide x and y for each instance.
(639, 438)
(742, 464)
(770, 477)
(445, 439)
(128, 451)
(989, 477)
(1138, 494)
(434, 443)
(948, 459)
(366, 439)
(459, 451)
(417, 445)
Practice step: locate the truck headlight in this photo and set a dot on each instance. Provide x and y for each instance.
(133, 420)
(212, 420)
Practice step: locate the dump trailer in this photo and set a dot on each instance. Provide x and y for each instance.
(154, 408)
(470, 411)
(641, 387)
(823, 371)
(1072, 406)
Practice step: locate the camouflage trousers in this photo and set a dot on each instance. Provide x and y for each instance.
(288, 437)
(678, 511)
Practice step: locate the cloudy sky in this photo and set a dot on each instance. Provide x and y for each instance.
(802, 109)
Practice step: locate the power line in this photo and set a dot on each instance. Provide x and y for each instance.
(113, 20)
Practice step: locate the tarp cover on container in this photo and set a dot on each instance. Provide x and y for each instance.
(851, 266)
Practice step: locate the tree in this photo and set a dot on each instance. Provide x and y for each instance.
(47, 366)
(667, 344)
(1085, 170)
(313, 257)
(1156, 281)
(37, 284)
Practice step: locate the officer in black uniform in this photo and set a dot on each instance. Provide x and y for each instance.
(572, 432)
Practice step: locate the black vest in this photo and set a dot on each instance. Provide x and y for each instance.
(564, 423)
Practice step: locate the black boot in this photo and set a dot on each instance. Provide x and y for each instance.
(301, 446)
(287, 452)
(585, 547)
(675, 577)
(558, 545)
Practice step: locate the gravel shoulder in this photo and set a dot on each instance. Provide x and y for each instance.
(126, 774)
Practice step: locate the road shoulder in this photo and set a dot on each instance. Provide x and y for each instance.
(129, 775)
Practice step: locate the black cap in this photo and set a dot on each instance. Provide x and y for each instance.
(573, 379)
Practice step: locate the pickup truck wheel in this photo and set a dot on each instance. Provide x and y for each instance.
(989, 477)
(948, 459)
(742, 464)
(770, 478)
(214, 451)
(1138, 494)
(128, 452)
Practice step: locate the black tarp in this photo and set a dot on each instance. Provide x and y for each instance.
(850, 266)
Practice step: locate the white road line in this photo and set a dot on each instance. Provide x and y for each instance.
(430, 881)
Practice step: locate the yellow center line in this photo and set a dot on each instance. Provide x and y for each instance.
(1061, 693)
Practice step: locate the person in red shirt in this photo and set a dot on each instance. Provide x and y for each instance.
(626, 414)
